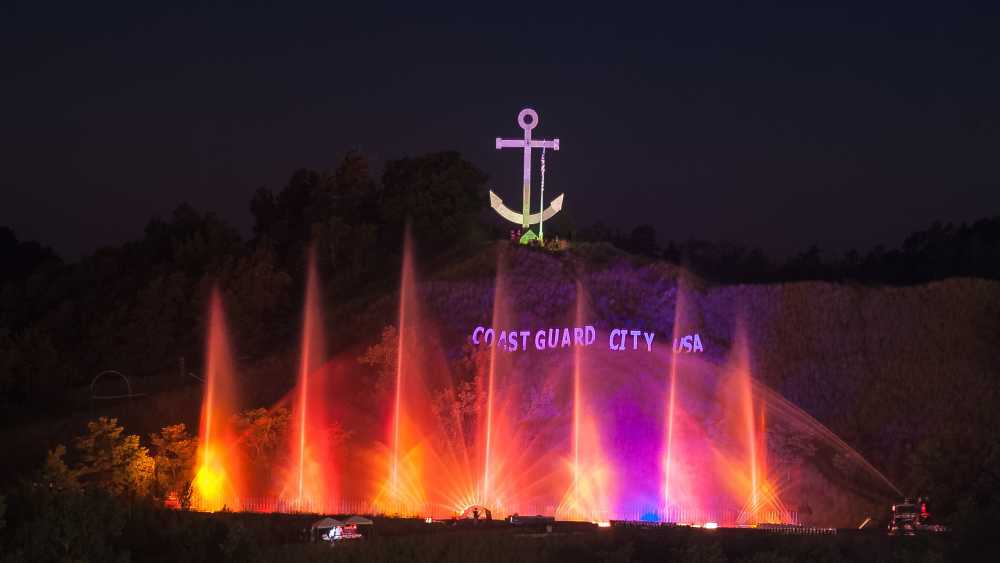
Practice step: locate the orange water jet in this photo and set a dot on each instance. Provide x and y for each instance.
(216, 482)
(587, 495)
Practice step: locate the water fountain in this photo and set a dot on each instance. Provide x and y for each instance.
(314, 475)
(217, 478)
(581, 433)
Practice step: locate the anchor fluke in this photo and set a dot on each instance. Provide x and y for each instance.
(514, 217)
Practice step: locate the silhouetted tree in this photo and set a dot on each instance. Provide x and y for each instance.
(440, 194)
(55, 474)
(19, 259)
(807, 265)
(598, 232)
(643, 241)
(350, 236)
(337, 213)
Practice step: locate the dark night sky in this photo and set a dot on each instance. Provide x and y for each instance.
(777, 126)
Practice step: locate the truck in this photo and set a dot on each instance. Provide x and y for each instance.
(909, 518)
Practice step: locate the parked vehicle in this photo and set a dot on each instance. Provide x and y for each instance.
(909, 518)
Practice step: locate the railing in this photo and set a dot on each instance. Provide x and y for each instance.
(774, 520)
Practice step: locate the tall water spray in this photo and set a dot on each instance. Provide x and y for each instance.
(309, 418)
(761, 495)
(216, 481)
(668, 461)
(577, 397)
(575, 507)
(588, 495)
(491, 383)
(402, 362)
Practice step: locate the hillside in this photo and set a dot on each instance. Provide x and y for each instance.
(889, 369)
(905, 375)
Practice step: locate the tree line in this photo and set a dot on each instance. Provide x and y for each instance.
(139, 306)
(943, 250)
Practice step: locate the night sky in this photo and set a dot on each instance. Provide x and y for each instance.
(777, 127)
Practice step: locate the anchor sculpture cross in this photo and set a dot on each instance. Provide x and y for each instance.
(528, 120)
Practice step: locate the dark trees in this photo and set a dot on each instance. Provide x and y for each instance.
(22, 258)
(440, 195)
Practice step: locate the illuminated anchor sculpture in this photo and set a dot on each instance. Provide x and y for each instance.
(528, 120)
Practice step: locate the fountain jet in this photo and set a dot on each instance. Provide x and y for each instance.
(587, 495)
(671, 398)
(217, 477)
(490, 388)
(313, 471)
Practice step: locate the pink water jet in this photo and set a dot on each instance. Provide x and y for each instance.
(490, 385)
(314, 472)
(679, 320)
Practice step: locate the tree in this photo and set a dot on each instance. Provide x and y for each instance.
(55, 474)
(381, 357)
(186, 495)
(258, 298)
(32, 364)
(136, 468)
(290, 218)
(807, 265)
(263, 432)
(337, 213)
(190, 241)
(457, 408)
(598, 232)
(118, 464)
(440, 194)
(264, 209)
(18, 259)
(348, 238)
(97, 449)
(154, 328)
(353, 184)
(643, 240)
(67, 526)
(174, 456)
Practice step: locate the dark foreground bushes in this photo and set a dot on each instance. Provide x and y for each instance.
(93, 526)
(604, 546)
